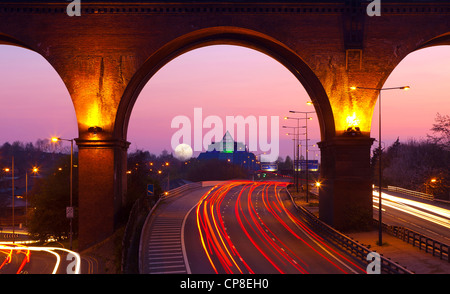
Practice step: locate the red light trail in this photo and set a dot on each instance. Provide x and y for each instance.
(262, 230)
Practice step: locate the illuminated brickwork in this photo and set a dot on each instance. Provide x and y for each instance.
(106, 55)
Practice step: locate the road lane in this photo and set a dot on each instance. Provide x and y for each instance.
(424, 218)
(162, 240)
(236, 227)
(246, 227)
(19, 259)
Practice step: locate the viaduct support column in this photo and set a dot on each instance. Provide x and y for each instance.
(345, 197)
(102, 186)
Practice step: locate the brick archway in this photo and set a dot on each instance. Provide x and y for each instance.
(106, 56)
(227, 36)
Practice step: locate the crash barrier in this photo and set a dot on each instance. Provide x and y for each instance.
(419, 240)
(182, 189)
(359, 251)
(211, 183)
(411, 193)
(420, 195)
(132, 233)
(171, 193)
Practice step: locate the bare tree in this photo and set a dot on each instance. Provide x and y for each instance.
(441, 131)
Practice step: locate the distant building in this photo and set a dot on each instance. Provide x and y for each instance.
(230, 151)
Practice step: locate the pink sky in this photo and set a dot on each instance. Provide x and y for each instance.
(223, 81)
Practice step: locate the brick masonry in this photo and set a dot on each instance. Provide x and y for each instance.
(106, 55)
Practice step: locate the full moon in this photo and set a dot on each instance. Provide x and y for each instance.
(183, 152)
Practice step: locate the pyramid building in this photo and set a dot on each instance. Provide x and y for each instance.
(231, 151)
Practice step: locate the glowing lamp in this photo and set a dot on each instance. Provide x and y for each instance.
(95, 130)
(352, 125)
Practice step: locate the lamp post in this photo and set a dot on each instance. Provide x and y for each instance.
(296, 131)
(297, 146)
(306, 118)
(298, 142)
(70, 217)
(13, 196)
(432, 180)
(34, 171)
(380, 224)
(7, 169)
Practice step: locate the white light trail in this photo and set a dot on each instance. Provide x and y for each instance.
(50, 250)
(434, 214)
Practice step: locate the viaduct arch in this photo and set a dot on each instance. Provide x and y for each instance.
(106, 55)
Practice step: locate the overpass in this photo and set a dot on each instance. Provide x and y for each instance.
(106, 55)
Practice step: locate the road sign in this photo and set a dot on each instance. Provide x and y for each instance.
(269, 166)
(69, 211)
(313, 165)
(150, 190)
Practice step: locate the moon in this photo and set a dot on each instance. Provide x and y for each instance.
(183, 152)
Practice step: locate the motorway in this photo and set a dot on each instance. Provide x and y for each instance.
(428, 218)
(237, 227)
(21, 259)
(21, 256)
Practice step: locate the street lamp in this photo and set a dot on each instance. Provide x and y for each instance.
(70, 208)
(306, 118)
(34, 170)
(432, 181)
(7, 169)
(295, 139)
(380, 225)
(297, 145)
(298, 142)
(13, 204)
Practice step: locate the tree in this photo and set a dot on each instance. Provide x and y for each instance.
(412, 165)
(287, 164)
(441, 130)
(139, 176)
(49, 199)
(214, 169)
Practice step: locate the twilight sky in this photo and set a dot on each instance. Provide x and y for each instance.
(222, 81)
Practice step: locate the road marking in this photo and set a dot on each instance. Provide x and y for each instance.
(169, 272)
(164, 256)
(317, 243)
(164, 247)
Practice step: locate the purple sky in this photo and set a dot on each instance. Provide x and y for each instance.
(223, 81)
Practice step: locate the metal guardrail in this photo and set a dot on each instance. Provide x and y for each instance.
(411, 193)
(181, 189)
(423, 242)
(359, 251)
(171, 193)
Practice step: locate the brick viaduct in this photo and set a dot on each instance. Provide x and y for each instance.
(106, 56)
